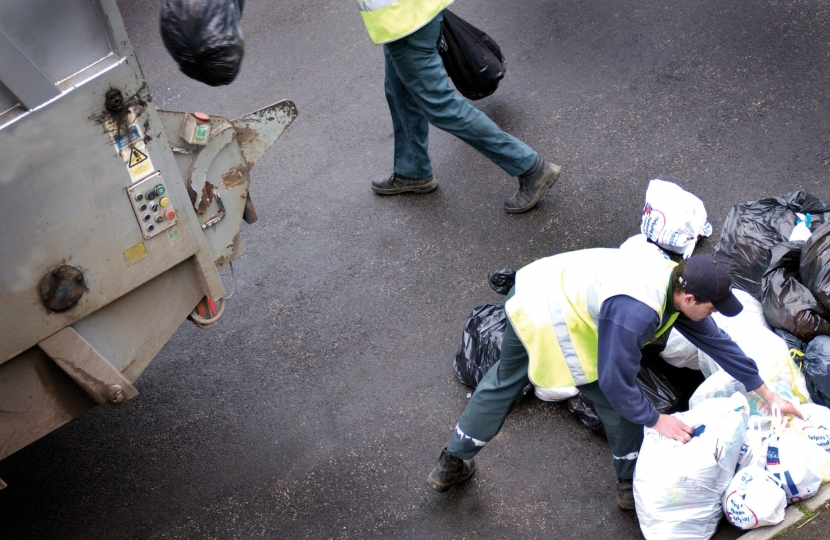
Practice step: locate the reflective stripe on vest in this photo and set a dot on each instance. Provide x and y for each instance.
(556, 307)
(388, 20)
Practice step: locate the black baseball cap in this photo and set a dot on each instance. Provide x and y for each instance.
(708, 279)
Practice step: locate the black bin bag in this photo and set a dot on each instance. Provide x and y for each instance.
(752, 228)
(816, 368)
(480, 343)
(787, 303)
(472, 59)
(204, 37)
(502, 280)
(815, 264)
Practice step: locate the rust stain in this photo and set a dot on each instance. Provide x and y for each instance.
(128, 365)
(207, 198)
(234, 177)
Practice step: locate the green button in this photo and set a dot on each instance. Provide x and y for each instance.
(160, 189)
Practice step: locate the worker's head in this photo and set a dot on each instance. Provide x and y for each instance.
(702, 286)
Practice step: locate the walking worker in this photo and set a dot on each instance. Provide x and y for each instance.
(419, 94)
(580, 319)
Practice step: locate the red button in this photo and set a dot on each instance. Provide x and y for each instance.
(170, 215)
(201, 116)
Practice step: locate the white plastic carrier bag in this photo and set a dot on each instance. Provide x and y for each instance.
(555, 394)
(673, 218)
(816, 424)
(678, 487)
(754, 498)
(793, 460)
(680, 352)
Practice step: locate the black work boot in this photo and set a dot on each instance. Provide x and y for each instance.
(532, 185)
(449, 471)
(401, 184)
(625, 494)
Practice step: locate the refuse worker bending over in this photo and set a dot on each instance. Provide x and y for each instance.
(419, 94)
(580, 319)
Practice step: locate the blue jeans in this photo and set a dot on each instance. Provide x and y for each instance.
(419, 94)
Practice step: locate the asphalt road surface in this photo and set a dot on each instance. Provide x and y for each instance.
(319, 404)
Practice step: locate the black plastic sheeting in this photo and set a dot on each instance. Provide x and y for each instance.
(751, 229)
(502, 280)
(788, 304)
(815, 265)
(480, 343)
(204, 37)
(582, 406)
(816, 369)
(472, 59)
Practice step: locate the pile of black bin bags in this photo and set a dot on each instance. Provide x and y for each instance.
(791, 279)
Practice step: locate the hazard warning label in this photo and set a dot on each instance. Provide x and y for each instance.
(129, 144)
(138, 160)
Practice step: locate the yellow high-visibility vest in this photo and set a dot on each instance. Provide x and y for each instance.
(388, 20)
(556, 305)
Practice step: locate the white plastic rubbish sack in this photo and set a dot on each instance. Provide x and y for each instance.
(754, 498)
(775, 365)
(680, 352)
(639, 245)
(673, 218)
(678, 487)
(555, 394)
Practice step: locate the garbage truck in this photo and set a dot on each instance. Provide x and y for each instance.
(115, 216)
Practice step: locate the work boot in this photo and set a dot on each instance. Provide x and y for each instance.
(401, 184)
(532, 185)
(625, 494)
(449, 471)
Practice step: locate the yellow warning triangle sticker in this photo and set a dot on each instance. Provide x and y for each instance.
(136, 157)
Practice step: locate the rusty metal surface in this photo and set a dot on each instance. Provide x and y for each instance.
(91, 371)
(36, 397)
(61, 287)
(217, 174)
(259, 130)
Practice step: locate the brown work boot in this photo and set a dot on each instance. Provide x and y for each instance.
(449, 471)
(625, 494)
(402, 184)
(532, 185)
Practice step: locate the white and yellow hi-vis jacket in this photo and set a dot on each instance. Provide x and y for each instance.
(388, 20)
(556, 305)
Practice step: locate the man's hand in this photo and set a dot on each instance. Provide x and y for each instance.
(670, 427)
(771, 398)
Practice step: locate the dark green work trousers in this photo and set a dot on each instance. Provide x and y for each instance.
(501, 389)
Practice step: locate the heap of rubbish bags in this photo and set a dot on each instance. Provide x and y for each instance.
(743, 461)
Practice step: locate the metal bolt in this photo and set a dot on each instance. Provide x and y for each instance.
(116, 394)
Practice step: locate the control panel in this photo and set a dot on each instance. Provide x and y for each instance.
(153, 208)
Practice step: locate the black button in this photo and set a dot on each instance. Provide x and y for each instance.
(146, 217)
(154, 207)
(151, 227)
(142, 207)
(151, 195)
(139, 197)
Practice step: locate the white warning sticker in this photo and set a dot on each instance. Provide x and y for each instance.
(129, 144)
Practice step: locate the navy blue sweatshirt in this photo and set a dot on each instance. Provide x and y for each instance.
(626, 325)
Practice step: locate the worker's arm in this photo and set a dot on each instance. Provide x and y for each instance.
(706, 336)
(623, 326)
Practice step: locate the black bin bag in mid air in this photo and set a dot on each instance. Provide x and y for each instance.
(204, 37)
(472, 59)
